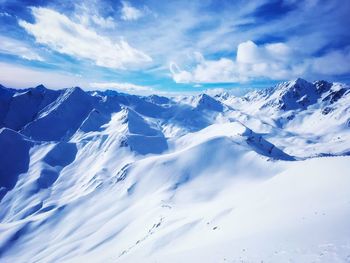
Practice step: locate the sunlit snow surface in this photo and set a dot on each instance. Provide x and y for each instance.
(111, 177)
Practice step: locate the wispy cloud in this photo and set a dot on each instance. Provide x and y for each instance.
(61, 34)
(128, 12)
(336, 62)
(103, 22)
(89, 15)
(18, 48)
(5, 14)
(124, 87)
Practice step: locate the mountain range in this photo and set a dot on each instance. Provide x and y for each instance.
(104, 176)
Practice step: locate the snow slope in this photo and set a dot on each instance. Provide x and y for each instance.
(112, 177)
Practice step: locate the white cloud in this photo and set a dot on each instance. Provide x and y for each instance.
(252, 61)
(180, 76)
(123, 86)
(18, 48)
(15, 76)
(63, 35)
(207, 71)
(279, 61)
(129, 12)
(275, 61)
(222, 70)
(248, 52)
(267, 61)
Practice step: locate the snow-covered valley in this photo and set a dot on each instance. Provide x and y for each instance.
(111, 177)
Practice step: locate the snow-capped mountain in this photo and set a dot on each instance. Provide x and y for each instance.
(112, 177)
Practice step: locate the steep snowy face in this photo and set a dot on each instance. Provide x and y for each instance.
(112, 177)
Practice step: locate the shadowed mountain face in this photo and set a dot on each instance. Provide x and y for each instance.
(14, 159)
(107, 176)
(23, 107)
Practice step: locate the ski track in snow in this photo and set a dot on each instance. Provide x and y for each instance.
(112, 177)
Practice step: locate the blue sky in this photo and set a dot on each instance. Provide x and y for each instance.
(152, 45)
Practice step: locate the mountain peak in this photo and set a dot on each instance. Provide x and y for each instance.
(135, 123)
(292, 95)
(6, 91)
(75, 90)
(40, 87)
(74, 93)
(296, 84)
(300, 81)
(206, 102)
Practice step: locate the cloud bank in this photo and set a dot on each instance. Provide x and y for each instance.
(15, 76)
(123, 86)
(275, 61)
